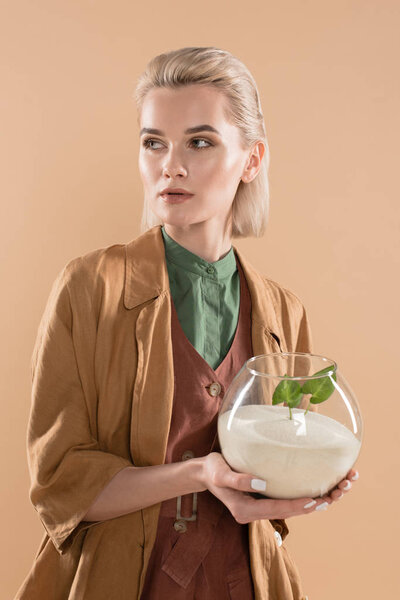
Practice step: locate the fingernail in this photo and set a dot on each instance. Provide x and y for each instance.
(310, 504)
(347, 486)
(323, 506)
(355, 476)
(259, 484)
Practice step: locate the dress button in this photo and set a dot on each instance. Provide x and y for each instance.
(180, 526)
(210, 269)
(214, 389)
(187, 454)
(278, 538)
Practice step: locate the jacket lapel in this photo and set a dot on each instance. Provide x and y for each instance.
(147, 289)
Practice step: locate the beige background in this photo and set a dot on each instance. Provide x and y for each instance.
(328, 77)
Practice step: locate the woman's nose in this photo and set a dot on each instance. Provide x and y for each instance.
(174, 171)
(173, 165)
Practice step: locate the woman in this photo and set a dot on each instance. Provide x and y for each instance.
(136, 347)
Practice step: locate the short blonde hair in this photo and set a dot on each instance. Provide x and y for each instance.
(220, 69)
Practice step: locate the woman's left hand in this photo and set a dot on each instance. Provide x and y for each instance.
(342, 487)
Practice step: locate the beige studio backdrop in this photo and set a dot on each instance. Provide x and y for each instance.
(327, 73)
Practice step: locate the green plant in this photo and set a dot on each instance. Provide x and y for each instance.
(291, 392)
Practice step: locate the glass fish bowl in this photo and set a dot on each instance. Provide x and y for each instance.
(291, 419)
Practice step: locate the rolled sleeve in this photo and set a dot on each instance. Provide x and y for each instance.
(68, 469)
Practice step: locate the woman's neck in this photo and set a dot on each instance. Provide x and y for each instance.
(206, 242)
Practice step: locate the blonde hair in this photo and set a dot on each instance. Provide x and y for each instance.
(220, 69)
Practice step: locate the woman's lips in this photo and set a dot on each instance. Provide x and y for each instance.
(175, 198)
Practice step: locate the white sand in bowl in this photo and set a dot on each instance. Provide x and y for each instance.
(304, 456)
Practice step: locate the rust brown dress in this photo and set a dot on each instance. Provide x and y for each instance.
(206, 557)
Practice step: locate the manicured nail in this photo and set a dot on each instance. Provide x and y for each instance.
(259, 484)
(323, 506)
(310, 504)
(347, 486)
(355, 476)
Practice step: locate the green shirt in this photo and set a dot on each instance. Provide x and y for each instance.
(206, 297)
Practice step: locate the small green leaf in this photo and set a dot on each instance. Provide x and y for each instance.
(318, 399)
(325, 370)
(320, 388)
(287, 391)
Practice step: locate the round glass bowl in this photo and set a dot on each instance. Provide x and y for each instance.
(291, 419)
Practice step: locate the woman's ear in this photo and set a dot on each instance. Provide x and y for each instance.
(254, 162)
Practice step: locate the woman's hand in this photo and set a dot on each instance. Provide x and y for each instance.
(234, 489)
(343, 486)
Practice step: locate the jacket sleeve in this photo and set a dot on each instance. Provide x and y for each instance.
(67, 467)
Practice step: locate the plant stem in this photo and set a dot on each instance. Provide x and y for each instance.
(290, 412)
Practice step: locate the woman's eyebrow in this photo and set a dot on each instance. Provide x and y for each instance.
(190, 130)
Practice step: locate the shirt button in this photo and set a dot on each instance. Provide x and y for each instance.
(187, 454)
(210, 269)
(214, 389)
(180, 526)
(278, 538)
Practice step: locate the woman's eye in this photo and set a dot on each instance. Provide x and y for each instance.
(147, 143)
(201, 140)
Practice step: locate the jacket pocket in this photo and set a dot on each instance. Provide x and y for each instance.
(275, 341)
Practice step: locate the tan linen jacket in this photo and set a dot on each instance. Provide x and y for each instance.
(102, 391)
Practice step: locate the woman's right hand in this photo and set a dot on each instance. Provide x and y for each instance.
(233, 490)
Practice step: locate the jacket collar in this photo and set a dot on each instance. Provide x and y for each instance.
(146, 277)
(146, 274)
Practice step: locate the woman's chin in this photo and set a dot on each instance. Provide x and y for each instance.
(170, 217)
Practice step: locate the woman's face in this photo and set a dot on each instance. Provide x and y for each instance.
(207, 164)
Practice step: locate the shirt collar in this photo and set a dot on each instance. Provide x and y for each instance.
(147, 278)
(183, 258)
